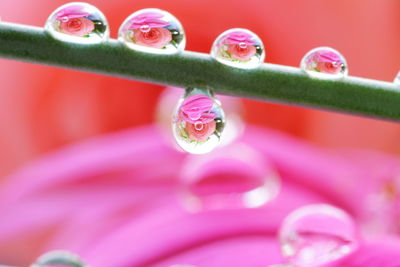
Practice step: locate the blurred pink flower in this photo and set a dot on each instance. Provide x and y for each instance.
(98, 196)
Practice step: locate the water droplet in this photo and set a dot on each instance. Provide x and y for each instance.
(324, 63)
(198, 121)
(238, 48)
(235, 176)
(153, 30)
(317, 234)
(397, 78)
(78, 23)
(59, 258)
(233, 109)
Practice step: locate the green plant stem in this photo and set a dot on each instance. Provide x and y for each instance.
(269, 82)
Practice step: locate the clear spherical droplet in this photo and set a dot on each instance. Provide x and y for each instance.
(59, 258)
(317, 234)
(397, 78)
(233, 109)
(324, 63)
(239, 48)
(154, 31)
(78, 23)
(232, 177)
(198, 121)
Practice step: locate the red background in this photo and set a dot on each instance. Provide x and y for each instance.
(43, 108)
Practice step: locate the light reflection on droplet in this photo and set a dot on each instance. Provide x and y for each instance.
(59, 258)
(238, 48)
(78, 22)
(397, 79)
(324, 63)
(232, 177)
(154, 31)
(317, 234)
(233, 109)
(198, 121)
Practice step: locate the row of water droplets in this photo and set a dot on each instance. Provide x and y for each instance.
(198, 127)
(199, 120)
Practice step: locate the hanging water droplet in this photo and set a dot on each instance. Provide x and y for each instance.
(233, 109)
(324, 63)
(232, 177)
(198, 121)
(78, 23)
(154, 31)
(59, 258)
(238, 48)
(397, 78)
(317, 234)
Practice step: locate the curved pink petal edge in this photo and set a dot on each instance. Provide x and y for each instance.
(151, 19)
(197, 108)
(238, 37)
(116, 202)
(72, 12)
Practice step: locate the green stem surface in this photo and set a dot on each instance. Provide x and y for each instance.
(269, 82)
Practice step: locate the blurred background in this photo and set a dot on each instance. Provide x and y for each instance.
(43, 109)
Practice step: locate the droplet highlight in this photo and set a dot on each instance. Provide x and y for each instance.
(59, 258)
(317, 234)
(324, 63)
(78, 23)
(233, 177)
(397, 79)
(153, 31)
(238, 48)
(198, 121)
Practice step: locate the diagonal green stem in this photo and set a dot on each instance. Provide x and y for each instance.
(188, 69)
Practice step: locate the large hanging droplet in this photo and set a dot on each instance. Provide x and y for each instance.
(154, 31)
(198, 121)
(233, 177)
(317, 234)
(59, 258)
(397, 78)
(78, 23)
(233, 110)
(238, 48)
(324, 63)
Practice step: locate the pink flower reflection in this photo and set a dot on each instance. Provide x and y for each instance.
(71, 12)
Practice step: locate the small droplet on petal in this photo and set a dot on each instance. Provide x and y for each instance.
(59, 258)
(154, 31)
(233, 177)
(239, 48)
(78, 23)
(198, 122)
(397, 78)
(324, 63)
(317, 234)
